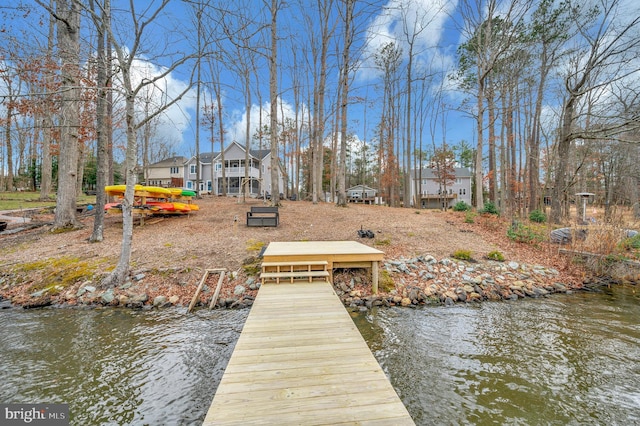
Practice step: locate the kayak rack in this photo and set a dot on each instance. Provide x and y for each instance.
(216, 293)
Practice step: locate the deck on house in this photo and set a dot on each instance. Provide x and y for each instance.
(301, 360)
(338, 254)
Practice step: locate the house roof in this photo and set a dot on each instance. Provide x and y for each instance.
(427, 173)
(260, 153)
(361, 188)
(171, 161)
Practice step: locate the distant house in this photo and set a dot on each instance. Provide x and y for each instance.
(212, 178)
(166, 173)
(432, 193)
(203, 162)
(361, 193)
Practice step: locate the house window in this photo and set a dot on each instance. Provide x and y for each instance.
(192, 169)
(218, 167)
(175, 170)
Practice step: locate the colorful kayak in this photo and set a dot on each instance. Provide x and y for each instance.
(139, 191)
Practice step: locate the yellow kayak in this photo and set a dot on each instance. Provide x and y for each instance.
(175, 192)
(139, 191)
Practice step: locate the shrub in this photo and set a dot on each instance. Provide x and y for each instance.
(495, 255)
(524, 234)
(631, 243)
(537, 216)
(461, 206)
(462, 254)
(490, 208)
(469, 217)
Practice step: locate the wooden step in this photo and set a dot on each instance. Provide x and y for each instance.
(292, 275)
(297, 263)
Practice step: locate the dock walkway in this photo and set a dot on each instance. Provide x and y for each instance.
(301, 360)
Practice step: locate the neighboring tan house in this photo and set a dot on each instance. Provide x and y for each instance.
(361, 194)
(166, 173)
(259, 173)
(432, 194)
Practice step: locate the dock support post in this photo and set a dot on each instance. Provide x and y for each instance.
(374, 277)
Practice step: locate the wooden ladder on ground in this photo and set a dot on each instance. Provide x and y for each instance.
(311, 270)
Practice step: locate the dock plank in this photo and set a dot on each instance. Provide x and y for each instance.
(303, 361)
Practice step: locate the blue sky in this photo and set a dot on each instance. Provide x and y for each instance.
(438, 36)
(376, 25)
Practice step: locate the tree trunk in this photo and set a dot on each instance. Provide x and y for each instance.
(493, 167)
(69, 52)
(102, 155)
(46, 169)
(273, 95)
(7, 138)
(478, 159)
(560, 182)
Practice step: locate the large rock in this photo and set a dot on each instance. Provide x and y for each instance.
(565, 235)
(160, 301)
(107, 297)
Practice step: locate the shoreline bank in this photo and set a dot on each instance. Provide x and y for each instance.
(407, 282)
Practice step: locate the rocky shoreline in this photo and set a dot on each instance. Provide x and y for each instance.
(424, 280)
(407, 282)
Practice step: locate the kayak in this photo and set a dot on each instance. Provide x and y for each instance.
(182, 207)
(139, 191)
(160, 205)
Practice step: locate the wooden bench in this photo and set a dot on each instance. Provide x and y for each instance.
(291, 271)
(263, 216)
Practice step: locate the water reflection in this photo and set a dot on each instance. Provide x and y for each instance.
(117, 366)
(562, 360)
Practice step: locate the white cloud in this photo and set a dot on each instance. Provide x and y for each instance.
(399, 21)
(236, 130)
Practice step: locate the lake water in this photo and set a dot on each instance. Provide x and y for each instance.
(567, 359)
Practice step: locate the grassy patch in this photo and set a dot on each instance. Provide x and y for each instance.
(462, 254)
(525, 234)
(469, 216)
(254, 245)
(59, 273)
(30, 200)
(382, 242)
(495, 255)
(385, 282)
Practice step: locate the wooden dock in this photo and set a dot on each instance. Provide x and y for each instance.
(337, 254)
(301, 360)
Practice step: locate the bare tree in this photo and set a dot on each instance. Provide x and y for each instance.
(608, 47)
(273, 95)
(67, 15)
(490, 32)
(102, 119)
(344, 94)
(126, 58)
